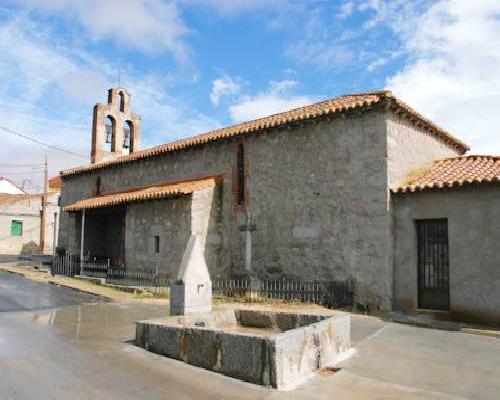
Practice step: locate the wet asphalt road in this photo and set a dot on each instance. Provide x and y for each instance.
(60, 344)
(20, 294)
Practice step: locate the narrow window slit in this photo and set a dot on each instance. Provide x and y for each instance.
(240, 162)
(157, 244)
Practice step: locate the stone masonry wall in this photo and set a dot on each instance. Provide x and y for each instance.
(410, 148)
(319, 198)
(473, 236)
(318, 192)
(170, 219)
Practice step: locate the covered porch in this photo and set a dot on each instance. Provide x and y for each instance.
(143, 228)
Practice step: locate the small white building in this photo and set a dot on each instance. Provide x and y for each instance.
(8, 187)
(20, 219)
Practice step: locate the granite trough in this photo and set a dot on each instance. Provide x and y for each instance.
(276, 349)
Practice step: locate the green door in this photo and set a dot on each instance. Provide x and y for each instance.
(16, 228)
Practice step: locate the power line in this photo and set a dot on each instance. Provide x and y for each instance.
(23, 173)
(49, 146)
(2, 165)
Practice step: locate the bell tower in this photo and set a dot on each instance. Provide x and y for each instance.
(116, 130)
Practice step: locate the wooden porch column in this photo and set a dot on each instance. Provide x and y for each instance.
(82, 240)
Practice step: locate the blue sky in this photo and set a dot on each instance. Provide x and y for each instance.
(195, 65)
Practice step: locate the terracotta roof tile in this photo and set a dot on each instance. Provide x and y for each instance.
(453, 172)
(55, 182)
(324, 108)
(154, 192)
(7, 198)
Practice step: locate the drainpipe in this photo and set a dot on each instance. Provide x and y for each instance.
(82, 239)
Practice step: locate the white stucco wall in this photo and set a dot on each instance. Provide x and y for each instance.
(9, 187)
(474, 249)
(26, 209)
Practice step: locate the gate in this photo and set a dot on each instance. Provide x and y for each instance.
(433, 264)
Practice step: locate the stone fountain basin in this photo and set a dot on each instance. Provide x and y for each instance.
(277, 349)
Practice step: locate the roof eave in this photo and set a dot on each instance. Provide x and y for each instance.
(385, 99)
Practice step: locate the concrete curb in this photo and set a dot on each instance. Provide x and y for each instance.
(482, 332)
(447, 325)
(14, 272)
(49, 282)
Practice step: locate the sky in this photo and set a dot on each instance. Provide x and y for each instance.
(196, 65)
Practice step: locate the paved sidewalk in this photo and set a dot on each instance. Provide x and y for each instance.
(422, 321)
(59, 344)
(76, 284)
(121, 296)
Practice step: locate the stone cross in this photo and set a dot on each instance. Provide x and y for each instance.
(192, 291)
(249, 227)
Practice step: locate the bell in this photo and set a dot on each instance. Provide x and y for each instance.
(126, 139)
(109, 133)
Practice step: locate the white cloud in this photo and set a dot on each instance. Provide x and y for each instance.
(32, 72)
(276, 99)
(224, 87)
(164, 116)
(452, 75)
(48, 91)
(231, 7)
(147, 25)
(379, 62)
(322, 54)
(396, 13)
(318, 42)
(346, 9)
(323, 39)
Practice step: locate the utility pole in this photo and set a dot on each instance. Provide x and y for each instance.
(44, 206)
(54, 238)
(82, 243)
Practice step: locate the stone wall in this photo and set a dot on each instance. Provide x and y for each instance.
(410, 148)
(128, 233)
(474, 257)
(169, 219)
(318, 192)
(210, 159)
(69, 232)
(319, 198)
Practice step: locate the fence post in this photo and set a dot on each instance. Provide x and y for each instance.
(108, 264)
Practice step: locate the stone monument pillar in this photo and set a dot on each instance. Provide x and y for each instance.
(192, 291)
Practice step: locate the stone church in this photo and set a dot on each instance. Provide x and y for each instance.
(358, 187)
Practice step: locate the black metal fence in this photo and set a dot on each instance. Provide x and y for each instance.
(334, 294)
(68, 265)
(142, 277)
